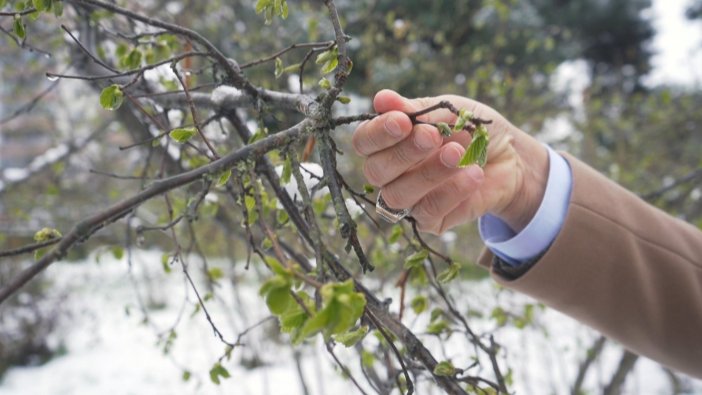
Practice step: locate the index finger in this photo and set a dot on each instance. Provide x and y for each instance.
(381, 132)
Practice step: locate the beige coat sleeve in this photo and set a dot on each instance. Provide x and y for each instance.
(625, 268)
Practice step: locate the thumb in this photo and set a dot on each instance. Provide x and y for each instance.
(389, 100)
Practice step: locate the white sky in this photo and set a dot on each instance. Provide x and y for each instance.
(678, 44)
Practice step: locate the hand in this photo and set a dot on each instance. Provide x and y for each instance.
(416, 167)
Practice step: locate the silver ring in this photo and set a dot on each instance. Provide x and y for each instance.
(389, 214)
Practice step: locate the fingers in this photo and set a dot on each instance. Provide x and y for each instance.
(431, 210)
(385, 166)
(408, 189)
(380, 133)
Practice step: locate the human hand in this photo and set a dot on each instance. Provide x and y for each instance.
(416, 167)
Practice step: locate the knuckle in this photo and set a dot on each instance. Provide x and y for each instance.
(373, 172)
(427, 173)
(393, 198)
(429, 207)
(401, 156)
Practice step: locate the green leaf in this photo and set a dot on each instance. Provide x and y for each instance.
(477, 150)
(133, 59)
(18, 28)
(118, 252)
(367, 358)
(437, 327)
(325, 84)
(261, 5)
(287, 171)
(258, 135)
(182, 135)
(58, 8)
(224, 177)
(344, 99)
(46, 234)
(186, 375)
(449, 274)
(444, 368)
(278, 300)
(292, 68)
(165, 259)
(368, 188)
(218, 371)
(111, 98)
(215, 273)
(330, 66)
(419, 304)
(444, 129)
(41, 5)
(416, 259)
(350, 338)
(397, 232)
(39, 253)
(284, 10)
(325, 56)
(278, 67)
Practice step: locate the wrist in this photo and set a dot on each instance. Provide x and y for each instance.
(532, 170)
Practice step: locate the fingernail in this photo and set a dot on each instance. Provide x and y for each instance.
(393, 128)
(450, 156)
(424, 140)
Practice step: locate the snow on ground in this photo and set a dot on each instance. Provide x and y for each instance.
(112, 352)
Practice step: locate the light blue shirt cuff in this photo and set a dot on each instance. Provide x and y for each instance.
(537, 236)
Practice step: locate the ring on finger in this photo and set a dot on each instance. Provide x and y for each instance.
(389, 214)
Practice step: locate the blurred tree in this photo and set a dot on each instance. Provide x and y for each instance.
(178, 125)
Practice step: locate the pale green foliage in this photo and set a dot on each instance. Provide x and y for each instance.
(444, 368)
(111, 97)
(477, 151)
(182, 135)
(271, 8)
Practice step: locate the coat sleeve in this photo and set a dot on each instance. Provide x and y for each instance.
(623, 267)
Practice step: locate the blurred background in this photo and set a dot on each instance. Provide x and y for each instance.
(617, 83)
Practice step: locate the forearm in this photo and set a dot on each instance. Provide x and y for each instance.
(624, 268)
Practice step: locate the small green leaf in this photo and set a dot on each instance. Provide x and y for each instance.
(118, 252)
(261, 5)
(477, 150)
(58, 8)
(278, 67)
(215, 273)
(330, 66)
(437, 327)
(419, 304)
(224, 177)
(449, 274)
(39, 253)
(133, 59)
(182, 135)
(218, 371)
(292, 68)
(397, 232)
(344, 99)
(279, 299)
(416, 259)
(165, 259)
(18, 28)
(325, 56)
(46, 234)
(111, 98)
(368, 188)
(325, 84)
(444, 368)
(350, 338)
(444, 129)
(186, 374)
(287, 171)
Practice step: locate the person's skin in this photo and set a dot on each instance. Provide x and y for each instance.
(416, 167)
